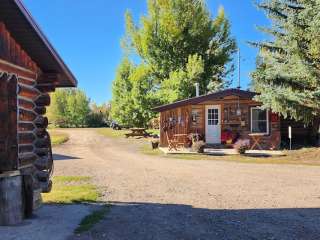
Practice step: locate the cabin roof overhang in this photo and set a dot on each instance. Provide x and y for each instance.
(28, 34)
(212, 96)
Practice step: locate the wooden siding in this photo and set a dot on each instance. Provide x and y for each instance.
(175, 121)
(229, 120)
(12, 52)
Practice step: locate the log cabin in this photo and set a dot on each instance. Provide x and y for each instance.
(222, 117)
(30, 69)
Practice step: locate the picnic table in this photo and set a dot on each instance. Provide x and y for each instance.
(137, 132)
(256, 137)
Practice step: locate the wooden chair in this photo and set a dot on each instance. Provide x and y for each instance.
(172, 143)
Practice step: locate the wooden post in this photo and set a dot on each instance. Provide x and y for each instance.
(11, 198)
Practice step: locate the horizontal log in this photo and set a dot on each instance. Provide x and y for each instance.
(28, 92)
(26, 148)
(51, 78)
(42, 143)
(28, 82)
(27, 158)
(26, 115)
(41, 122)
(28, 104)
(40, 132)
(42, 163)
(46, 186)
(26, 126)
(45, 88)
(42, 152)
(26, 138)
(43, 100)
(40, 110)
(43, 176)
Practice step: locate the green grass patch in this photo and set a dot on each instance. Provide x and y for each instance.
(109, 132)
(147, 149)
(71, 189)
(95, 217)
(58, 138)
(305, 156)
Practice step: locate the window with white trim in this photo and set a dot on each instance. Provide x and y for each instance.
(259, 120)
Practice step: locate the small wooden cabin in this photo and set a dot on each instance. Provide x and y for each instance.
(215, 114)
(30, 68)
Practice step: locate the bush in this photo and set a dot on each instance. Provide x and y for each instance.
(242, 146)
(198, 146)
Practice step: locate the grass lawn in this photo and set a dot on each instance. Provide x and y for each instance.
(305, 156)
(71, 189)
(58, 138)
(77, 189)
(109, 132)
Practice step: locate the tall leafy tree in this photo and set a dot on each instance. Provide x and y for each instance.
(69, 108)
(288, 66)
(177, 31)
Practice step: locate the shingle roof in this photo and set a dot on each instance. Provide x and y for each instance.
(212, 96)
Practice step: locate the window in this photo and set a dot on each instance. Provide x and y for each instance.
(259, 120)
(213, 116)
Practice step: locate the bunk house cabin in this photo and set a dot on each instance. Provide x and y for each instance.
(223, 117)
(30, 69)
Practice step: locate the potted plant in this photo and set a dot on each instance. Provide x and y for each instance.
(155, 143)
(242, 145)
(198, 146)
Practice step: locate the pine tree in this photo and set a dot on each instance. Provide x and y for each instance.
(288, 66)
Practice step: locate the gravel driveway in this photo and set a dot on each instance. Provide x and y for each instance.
(161, 198)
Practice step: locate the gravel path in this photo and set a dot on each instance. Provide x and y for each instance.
(161, 198)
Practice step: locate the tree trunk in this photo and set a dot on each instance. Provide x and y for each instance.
(11, 199)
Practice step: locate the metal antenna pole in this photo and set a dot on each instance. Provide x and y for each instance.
(239, 69)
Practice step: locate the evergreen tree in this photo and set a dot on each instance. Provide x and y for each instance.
(288, 66)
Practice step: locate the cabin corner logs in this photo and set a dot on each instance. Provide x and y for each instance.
(26, 162)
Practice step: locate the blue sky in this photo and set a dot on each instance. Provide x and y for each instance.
(87, 35)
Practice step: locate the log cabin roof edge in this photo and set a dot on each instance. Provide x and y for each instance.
(211, 96)
(26, 31)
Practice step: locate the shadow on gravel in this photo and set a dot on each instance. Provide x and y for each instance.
(60, 157)
(170, 221)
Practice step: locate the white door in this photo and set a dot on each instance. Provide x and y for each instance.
(213, 124)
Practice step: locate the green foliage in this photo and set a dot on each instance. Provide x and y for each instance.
(179, 44)
(99, 115)
(71, 108)
(289, 64)
(132, 95)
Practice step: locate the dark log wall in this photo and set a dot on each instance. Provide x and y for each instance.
(34, 155)
(8, 126)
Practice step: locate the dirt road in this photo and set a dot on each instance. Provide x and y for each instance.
(160, 198)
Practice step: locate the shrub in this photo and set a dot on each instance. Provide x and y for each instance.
(242, 146)
(198, 146)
